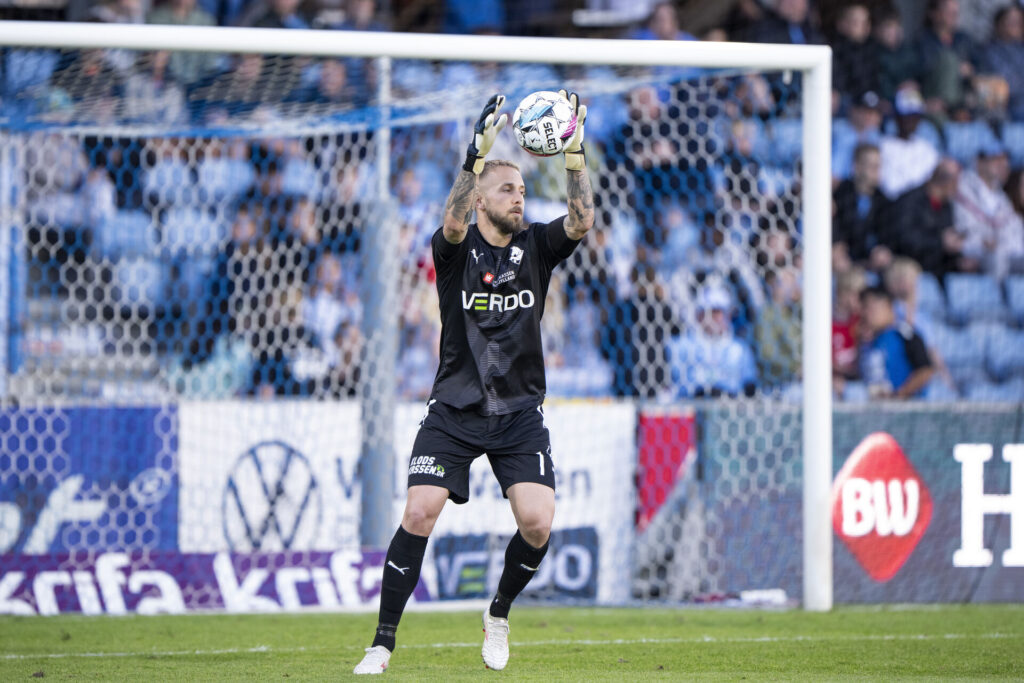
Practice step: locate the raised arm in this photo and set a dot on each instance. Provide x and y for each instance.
(459, 207)
(580, 193)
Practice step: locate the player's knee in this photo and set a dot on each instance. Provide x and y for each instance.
(419, 520)
(535, 530)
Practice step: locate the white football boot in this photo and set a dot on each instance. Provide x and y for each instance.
(495, 650)
(375, 661)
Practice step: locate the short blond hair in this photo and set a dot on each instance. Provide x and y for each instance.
(492, 164)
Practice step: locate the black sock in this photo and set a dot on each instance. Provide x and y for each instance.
(401, 572)
(522, 561)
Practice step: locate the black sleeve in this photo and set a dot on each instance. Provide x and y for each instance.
(444, 251)
(556, 243)
(917, 354)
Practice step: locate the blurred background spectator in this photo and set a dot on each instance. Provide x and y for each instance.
(894, 361)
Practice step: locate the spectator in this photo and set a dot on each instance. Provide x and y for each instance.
(277, 14)
(897, 62)
(418, 218)
(59, 169)
(854, 56)
(119, 12)
(711, 361)
(1004, 55)
(993, 232)
(91, 83)
(346, 368)
(894, 360)
(360, 15)
(649, 147)
(1015, 190)
(907, 160)
(417, 361)
(635, 334)
(187, 67)
(662, 24)
(845, 321)
(922, 227)
(471, 16)
(328, 304)
(99, 198)
(900, 280)
(789, 22)
(864, 126)
(249, 85)
(216, 364)
(778, 329)
(945, 56)
(152, 93)
(860, 206)
(331, 88)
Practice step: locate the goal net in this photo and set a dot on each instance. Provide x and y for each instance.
(222, 327)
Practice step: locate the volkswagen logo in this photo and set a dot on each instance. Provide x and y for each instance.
(271, 500)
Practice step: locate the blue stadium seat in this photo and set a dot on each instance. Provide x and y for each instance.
(140, 280)
(963, 140)
(974, 297)
(193, 230)
(414, 75)
(1005, 351)
(931, 300)
(300, 178)
(960, 347)
(938, 391)
(786, 140)
(1011, 391)
(1013, 139)
(223, 178)
(125, 232)
(969, 375)
(1015, 296)
(168, 181)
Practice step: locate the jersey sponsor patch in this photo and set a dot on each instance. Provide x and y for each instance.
(485, 301)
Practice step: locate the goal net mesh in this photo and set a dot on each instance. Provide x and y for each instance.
(221, 295)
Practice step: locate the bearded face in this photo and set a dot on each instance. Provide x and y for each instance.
(508, 223)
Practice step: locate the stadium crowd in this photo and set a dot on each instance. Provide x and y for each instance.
(689, 287)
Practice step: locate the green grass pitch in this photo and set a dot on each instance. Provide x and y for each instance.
(572, 644)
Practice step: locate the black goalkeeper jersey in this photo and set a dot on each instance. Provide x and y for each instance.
(492, 299)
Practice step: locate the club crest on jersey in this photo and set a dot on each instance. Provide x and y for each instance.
(516, 256)
(488, 278)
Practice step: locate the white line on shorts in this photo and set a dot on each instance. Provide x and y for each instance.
(259, 649)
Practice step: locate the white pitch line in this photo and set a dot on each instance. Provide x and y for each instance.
(535, 643)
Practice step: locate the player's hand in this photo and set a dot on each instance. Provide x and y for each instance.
(484, 132)
(575, 160)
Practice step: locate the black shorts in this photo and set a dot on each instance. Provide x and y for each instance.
(517, 445)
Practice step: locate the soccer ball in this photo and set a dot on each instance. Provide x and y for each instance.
(543, 123)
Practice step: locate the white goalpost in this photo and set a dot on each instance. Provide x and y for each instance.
(812, 62)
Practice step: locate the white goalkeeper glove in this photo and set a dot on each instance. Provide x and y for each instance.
(484, 132)
(575, 159)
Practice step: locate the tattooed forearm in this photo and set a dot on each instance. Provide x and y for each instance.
(581, 204)
(459, 207)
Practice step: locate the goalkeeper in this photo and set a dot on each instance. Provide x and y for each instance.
(492, 278)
